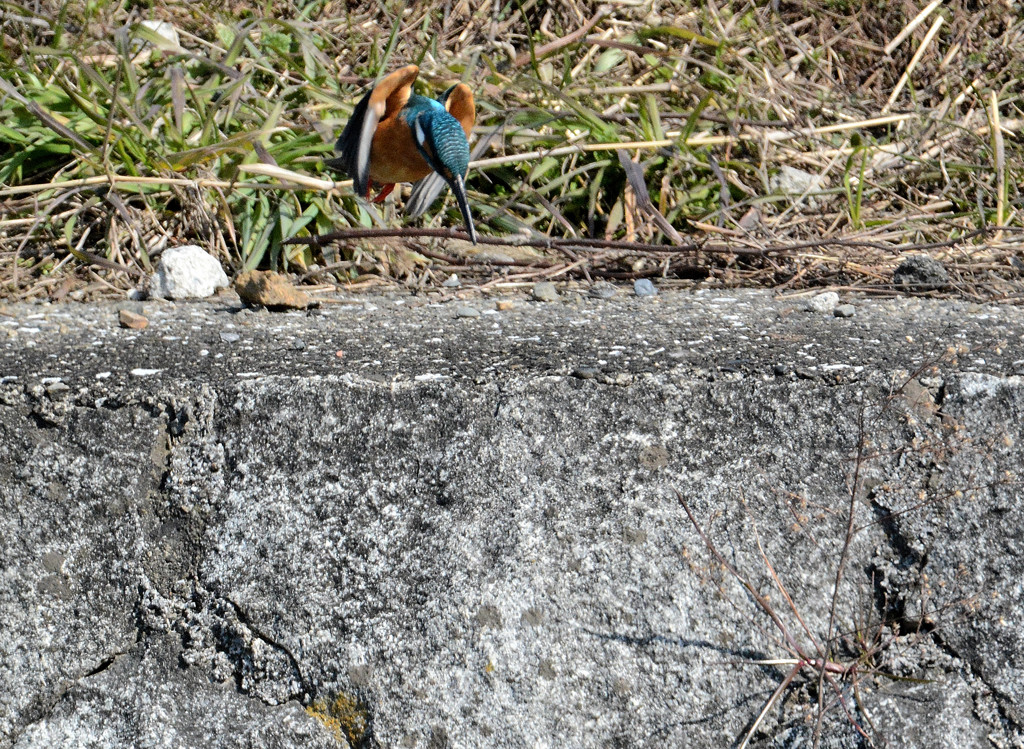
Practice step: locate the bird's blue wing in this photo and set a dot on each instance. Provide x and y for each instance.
(442, 143)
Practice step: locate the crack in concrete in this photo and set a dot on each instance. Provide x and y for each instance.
(218, 636)
(305, 695)
(104, 664)
(1004, 703)
(176, 418)
(902, 546)
(45, 704)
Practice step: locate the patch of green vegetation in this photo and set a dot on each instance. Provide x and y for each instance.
(119, 137)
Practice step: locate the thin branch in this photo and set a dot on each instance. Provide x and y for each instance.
(771, 701)
(766, 607)
(546, 49)
(581, 243)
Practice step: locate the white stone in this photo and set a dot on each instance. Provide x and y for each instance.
(823, 302)
(164, 30)
(791, 181)
(187, 272)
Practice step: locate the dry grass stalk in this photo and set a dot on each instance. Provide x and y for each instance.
(999, 155)
(913, 62)
(910, 27)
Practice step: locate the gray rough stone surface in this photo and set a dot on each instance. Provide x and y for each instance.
(603, 290)
(161, 704)
(187, 272)
(644, 287)
(792, 181)
(545, 291)
(442, 521)
(920, 270)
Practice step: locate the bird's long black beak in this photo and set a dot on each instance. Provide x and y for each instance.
(458, 186)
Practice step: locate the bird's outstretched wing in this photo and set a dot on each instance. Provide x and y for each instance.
(383, 100)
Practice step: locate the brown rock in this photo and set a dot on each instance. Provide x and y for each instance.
(271, 290)
(133, 320)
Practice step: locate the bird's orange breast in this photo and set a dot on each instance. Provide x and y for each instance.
(393, 154)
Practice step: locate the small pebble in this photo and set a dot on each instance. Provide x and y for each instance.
(585, 373)
(823, 302)
(57, 388)
(161, 29)
(503, 304)
(187, 272)
(792, 181)
(844, 310)
(129, 319)
(644, 287)
(602, 290)
(228, 337)
(271, 290)
(452, 282)
(465, 310)
(545, 291)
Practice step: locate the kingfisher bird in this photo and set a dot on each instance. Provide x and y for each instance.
(395, 136)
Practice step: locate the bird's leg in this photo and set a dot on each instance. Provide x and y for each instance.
(385, 190)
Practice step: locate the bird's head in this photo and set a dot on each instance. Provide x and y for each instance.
(442, 143)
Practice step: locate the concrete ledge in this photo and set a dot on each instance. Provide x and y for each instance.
(436, 530)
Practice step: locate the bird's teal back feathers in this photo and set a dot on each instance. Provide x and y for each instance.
(438, 135)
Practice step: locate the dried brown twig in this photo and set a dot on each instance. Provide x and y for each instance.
(541, 242)
(734, 262)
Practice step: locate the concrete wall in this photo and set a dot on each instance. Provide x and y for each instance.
(433, 531)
